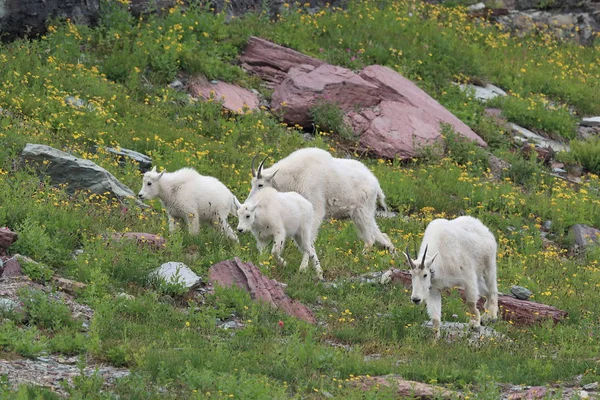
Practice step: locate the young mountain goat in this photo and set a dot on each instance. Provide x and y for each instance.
(464, 255)
(336, 187)
(187, 195)
(272, 214)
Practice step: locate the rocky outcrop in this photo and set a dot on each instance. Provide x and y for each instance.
(77, 173)
(272, 62)
(144, 162)
(248, 277)
(585, 235)
(391, 116)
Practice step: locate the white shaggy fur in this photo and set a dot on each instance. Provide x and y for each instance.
(464, 255)
(336, 187)
(279, 215)
(189, 196)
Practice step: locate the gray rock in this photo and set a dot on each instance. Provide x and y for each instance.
(75, 102)
(452, 331)
(143, 160)
(559, 170)
(176, 84)
(77, 173)
(591, 386)
(520, 292)
(8, 305)
(476, 7)
(484, 93)
(526, 135)
(231, 325)
(591, 121)
(547, 225)
(177, 273)
(585, 235)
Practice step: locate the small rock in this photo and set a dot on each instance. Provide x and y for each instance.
(11, 268)
(125, 296)
(547, 225)
(591, 121)
(484, 93)
(476, 7)
(177, 273)
(8, 305)
(176, 84)
(583, 394)
(559, 171)
(231, 325)
(7, 238)
(75, 102)
(520, 292)
(68, 286)
(591, 386)
(585, 235)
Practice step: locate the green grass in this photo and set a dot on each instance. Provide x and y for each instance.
(173, 348)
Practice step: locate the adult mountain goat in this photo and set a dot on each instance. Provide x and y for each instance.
(464, 255)
(191, 197)
(275, 215)
(336, 187)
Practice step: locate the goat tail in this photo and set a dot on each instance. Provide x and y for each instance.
(381, 200)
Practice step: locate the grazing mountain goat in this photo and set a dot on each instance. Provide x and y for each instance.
(464, 255)
(189, 196)
(336, 187)
(280, 215)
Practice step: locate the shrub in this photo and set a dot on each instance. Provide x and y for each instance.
(43, 312)
(329, 117)
(587, 153)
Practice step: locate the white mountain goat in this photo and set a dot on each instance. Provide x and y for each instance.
(189, 196)
(279, 215)
(336, 187)
(464, 255)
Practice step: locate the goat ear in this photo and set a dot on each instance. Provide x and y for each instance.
(433, 258)
(236, 203)
(154, 169)
(269, 177)
(161, 174)
(252, 207)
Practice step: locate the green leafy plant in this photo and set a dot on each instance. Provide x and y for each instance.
(329, 117)
(587, 153)
(44, 312)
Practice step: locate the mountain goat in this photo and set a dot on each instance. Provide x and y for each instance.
(336, 187)
(464, 255)
(189, 196)
(280, 215)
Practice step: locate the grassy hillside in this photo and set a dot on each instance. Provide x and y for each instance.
(122, 68)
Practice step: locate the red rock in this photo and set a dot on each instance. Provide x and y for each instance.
(407, 118)
(11, 268)
(536, 392)
(7, 238)
(234, 98)
(272, 62)
(305, 85)
(248, 277)
(154, 241)
(406, 389)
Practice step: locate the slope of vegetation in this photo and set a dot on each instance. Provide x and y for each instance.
(122, 68)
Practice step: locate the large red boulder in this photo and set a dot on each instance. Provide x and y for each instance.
(306, 84)
(248, 277)
(391, 116)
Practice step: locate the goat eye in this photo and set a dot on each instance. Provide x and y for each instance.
(425, 276)
(260, 185)
(247, 216)
(149, 183)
